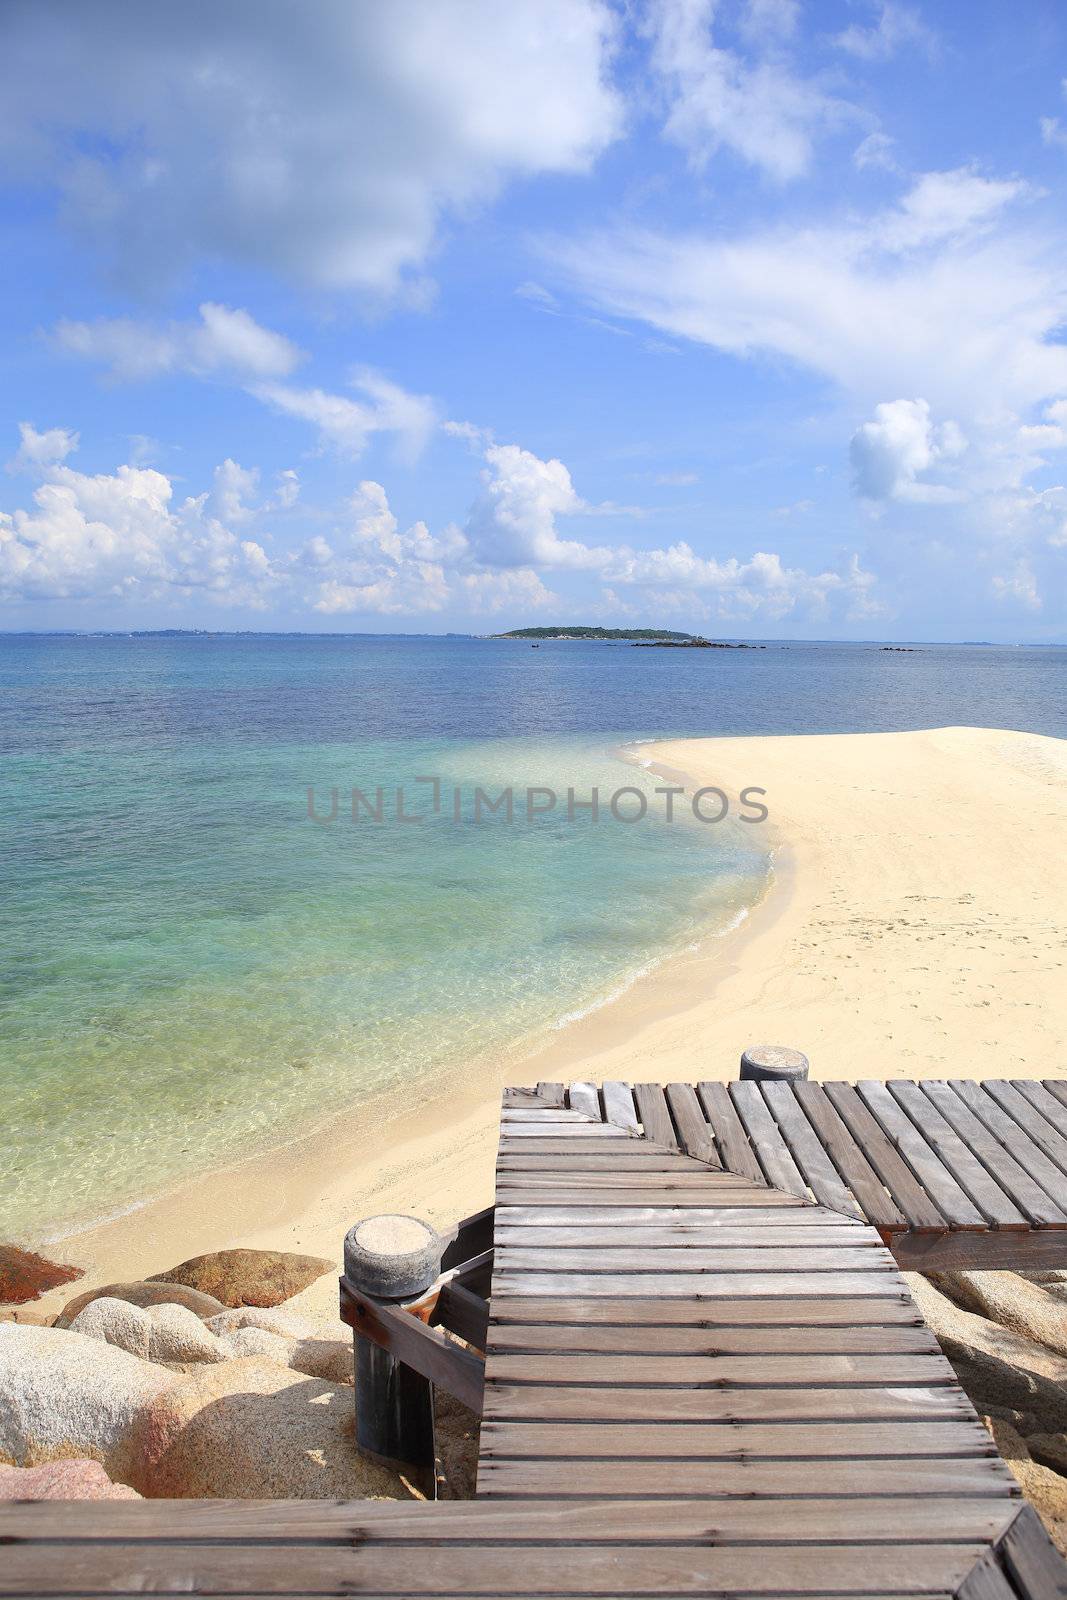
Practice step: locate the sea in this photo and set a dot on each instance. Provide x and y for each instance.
(210, 944)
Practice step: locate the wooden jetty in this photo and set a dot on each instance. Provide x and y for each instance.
(703, 1373)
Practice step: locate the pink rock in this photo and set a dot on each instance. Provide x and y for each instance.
(62, 1480)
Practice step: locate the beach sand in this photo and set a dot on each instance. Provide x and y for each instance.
(915, 925)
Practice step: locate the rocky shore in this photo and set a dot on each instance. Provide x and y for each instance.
(230, 1376)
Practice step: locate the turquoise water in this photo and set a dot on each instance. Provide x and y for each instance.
(193, 969)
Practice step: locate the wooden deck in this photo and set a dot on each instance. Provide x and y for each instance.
(696, 1383)
(952, 1174)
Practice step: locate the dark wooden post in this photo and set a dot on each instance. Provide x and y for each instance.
(393, 1259)
(773, 1063)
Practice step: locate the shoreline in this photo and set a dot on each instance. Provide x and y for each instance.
(893, 937)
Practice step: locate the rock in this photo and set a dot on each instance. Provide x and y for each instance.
(115, 1322)
(67, 1396)
(258, 1342)
(284, 1322)
(295, 1336)
(79, 1479)
(1011, 1300)
(1050, 1449)
(26, 1276)
(248, 1430)
(177, 1336)
(143, 1294)
(996, 1366)
(1046, 1491)
(248, 1277)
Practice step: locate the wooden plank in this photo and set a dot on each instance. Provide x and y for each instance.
(730, 1136)
(705, 1259)
(1038, 1250)
(908, 1193)
(387, 1568)
(896, 1309)
(1034, 1564)
(755, 1444)
(590, 1155)
(1058, 1088)
(680, 1234)
(986, 1581)
(537, 1403)
(817, 1169)
(1028, 1195)
(447, 1365)
(656, 1121)
(519, 1097)
(470, 1238)
(962, 1163)
(770, 1148)
(705, 1481)
(578, 1129)
(583, 1097)
(955, 1206)
(669, 1198)
(857, 1172)
(1014, 1138)
(1041, 1131)
(754, 1220)
(689, 1341)
(751, 1371)
(553, 1094)
(694, 1133)
(800, 1520)
(1053, 1110)
(462, 1313)
(619, 1106)
(692, 1285)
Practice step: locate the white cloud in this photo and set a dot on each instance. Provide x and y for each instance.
(346, 424)
(755, 105)
(324, 142)
(896, 27)
(513, 523)
(1018, 585)
(224, 341)
(519, 590)
(890, 454)
(876, 150)
(39, 450)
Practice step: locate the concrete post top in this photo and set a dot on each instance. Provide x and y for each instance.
(773, 1062)
(392, 1256)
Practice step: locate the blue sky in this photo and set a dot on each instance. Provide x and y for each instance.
(745, 317)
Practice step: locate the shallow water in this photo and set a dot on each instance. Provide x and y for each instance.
(193, 968)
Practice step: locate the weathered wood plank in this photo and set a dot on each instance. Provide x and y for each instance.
(448, 1365)
(818, 1171)
(770, 1148)
(1040, 1249)
(721, 1341)
(671, 1197)
(696, 1258)
(939, 1482)
(488, 1569)
(1041, 1131)
(848, 1158)
(574, 1156)
(1053, 1110)
(730, 1136)
(757, 1444)
(1014, 1138)
(908, 1193)
(1027, 1194)
(619, 1106)
(1034, 1564)
(753, 1220)
(692, 1285)
(678, 1234)
(583, 1097)
(656, 1121)
(955, 1206)
(961, 1162)
(1057, 1087)
(694, 1132)
(758, 1371)
(579, 1130)
(553, 1094)
(537, 1403)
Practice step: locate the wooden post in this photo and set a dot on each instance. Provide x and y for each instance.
(393, 1259)
(773, 1063)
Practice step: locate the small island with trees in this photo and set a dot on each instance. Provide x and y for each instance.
(664, 638)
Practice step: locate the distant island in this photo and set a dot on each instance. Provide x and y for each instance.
(594, 633)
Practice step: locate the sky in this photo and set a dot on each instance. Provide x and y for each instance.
(744, 317)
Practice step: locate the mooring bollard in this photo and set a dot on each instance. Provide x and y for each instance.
(773, 1063)
(393, 1259)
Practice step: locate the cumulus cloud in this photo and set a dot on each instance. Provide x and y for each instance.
(890, 454)
(224, 340)
(513, 522)
(324, 142)
(380, 568)
(895, 27)
(42, 449)
(346, 425)
(752, 101)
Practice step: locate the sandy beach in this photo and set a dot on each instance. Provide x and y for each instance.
(915, 925)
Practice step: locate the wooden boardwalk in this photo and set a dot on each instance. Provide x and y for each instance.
(696, 1383)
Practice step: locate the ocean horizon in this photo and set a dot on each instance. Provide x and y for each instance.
(199, 966)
